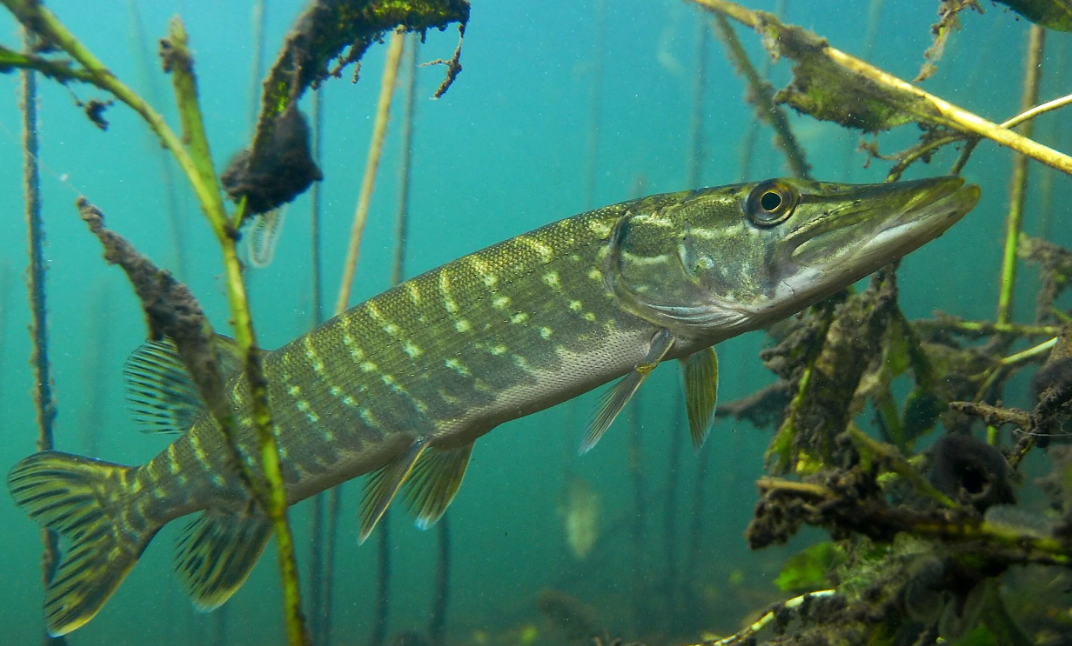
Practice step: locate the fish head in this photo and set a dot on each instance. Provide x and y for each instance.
(716, 262)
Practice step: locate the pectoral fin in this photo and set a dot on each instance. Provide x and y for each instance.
(384, 483)
(434, 483)
(614, 400)
(701, 392)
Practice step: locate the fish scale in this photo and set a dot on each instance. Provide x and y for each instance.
(402, 385)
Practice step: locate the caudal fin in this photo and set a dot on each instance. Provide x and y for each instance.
(87, 502)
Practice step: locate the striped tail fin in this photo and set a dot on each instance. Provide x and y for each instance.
(87, 501)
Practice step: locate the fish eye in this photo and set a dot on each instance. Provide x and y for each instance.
(770, 203)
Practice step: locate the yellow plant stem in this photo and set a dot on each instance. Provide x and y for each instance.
(949, 114)
(372, 165)
(896, 463)
(1018, 195)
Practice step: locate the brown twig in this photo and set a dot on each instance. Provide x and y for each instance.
(761, 94)
(42, 394)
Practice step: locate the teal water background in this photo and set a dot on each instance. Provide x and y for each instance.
(503, 152)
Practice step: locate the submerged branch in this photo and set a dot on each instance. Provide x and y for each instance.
(832, 85)
(324, 30)
(761, 95)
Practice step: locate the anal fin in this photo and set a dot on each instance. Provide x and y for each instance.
(434, 482)
(614, 400)
(383, 484)
(701, 392)
(216, 552)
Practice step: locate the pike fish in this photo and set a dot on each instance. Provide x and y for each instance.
(400, 386)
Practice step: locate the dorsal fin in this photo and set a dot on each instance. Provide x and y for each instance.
(161, 393)
(434, 482)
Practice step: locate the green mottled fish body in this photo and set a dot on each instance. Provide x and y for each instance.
(401, 385)
(493, 336)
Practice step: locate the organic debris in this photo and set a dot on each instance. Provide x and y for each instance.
(940, 31)
(283, 171)
(320, 35)
(1055, 14)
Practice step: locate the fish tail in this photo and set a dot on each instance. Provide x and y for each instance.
(88, 502)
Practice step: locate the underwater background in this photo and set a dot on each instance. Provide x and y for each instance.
(504, 151)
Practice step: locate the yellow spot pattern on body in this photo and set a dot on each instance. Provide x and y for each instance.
(501, 302)
(543, 251)
(411, 348)
(595, 274)
(294, 391)
(355, 352)
(575, 306)
(545, 332)
(519, 318)
(444, 290)
(601, 229)
(462, 325)
(195, 444)
(498, 350)
(489, 279)
(551, 279)
(368, 366)
(311, 355)
(304, 407)
(414, 292)
(457, 367)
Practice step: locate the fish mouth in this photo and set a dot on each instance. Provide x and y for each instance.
(861, 230)
(927, 215)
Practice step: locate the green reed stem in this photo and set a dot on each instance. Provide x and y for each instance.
(1036, 41)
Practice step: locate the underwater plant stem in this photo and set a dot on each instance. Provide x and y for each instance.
(748, 142)
(636, 461)
(259, 18)
(437, 624)
(1036, 42)
(178, 60)
(316, 554)
(42, 394)
(670, 511)
(747, 635)
(372, 164)
(985, 328)
(595, 99)
(939, 110)
(383, 581)
(406, 160)
(334, 509)
(873, 450)
(763, 96)
(696, 118)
